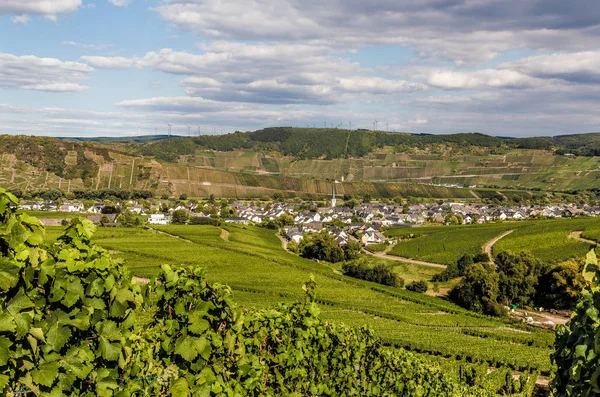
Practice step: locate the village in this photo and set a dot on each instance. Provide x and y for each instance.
(365, 219)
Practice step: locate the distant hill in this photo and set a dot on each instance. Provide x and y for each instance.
(303, 162)
(136, 139)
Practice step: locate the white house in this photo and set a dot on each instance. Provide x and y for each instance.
(159, 219)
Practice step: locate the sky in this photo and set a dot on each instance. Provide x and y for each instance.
(128, 67)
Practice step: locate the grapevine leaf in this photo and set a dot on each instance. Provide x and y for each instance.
(185, 348)
(591, 267)
(180, 388)
(5, 345)
(109, 351)
(7, 323)
(46, 374)
(19, 303)
(57, 336)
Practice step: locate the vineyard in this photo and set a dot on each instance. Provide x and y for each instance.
(261, 273)
(548, 240)
(71, 320)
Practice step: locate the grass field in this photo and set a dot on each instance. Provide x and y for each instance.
(261, 274)
(546, 239)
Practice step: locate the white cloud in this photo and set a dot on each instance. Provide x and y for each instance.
(465, 31)
(263, 73)
(109, 62)
(577, 67)
(20, 19)
(485, 78)
(119, 3)
(41, 74)
(87, 46)
(47, 8)
(175, 104)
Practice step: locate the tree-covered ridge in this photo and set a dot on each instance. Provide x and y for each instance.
(332, 143)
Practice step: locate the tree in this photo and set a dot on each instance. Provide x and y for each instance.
(418, 286)
(478, 290)
(518, 277)
(379, 273)
(286, 220)
(351, 250)
(104, 220)
(128, 219)
(110, 209)
(180, 217)
(321, 246)
(183, 196)
(560, 287)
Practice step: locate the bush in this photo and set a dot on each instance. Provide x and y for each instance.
(418, 286)
(380, 273)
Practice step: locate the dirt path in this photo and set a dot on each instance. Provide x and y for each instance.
(224, 234)
(403, 259)
(490, 244)
(283, 240)
(577, 236)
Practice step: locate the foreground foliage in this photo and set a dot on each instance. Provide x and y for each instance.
(577, 344)
(66, 311)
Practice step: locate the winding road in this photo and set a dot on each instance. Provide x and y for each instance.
(487, 248)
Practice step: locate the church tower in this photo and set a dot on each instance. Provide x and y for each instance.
(333, 199)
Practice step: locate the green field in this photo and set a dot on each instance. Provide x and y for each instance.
(261, 274)
(546, 239)
(444, 244)
(549, 240)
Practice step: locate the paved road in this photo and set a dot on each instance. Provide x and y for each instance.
(490, 244)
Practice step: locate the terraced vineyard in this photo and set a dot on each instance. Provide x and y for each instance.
(261, 273)
(548, 240)
(186, 166)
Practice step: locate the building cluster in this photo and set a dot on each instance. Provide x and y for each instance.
(364, 220)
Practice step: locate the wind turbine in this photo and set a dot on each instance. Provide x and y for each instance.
(198, 129)
(386, 126)
(350, 125)
(189, 130)
(375, 124)
(169, 128)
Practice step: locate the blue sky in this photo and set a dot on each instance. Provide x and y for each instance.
(127, 67)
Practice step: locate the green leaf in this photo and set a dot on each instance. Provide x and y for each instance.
(109, 351)
(591, 266)
(19, 303)
(180, 388)
(185, 347)
(46, 374)
(57, 336)
(5, 345)
(73, 293)
(198, 324)
(7, 323)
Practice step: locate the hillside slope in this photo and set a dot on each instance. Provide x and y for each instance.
(301, 162)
